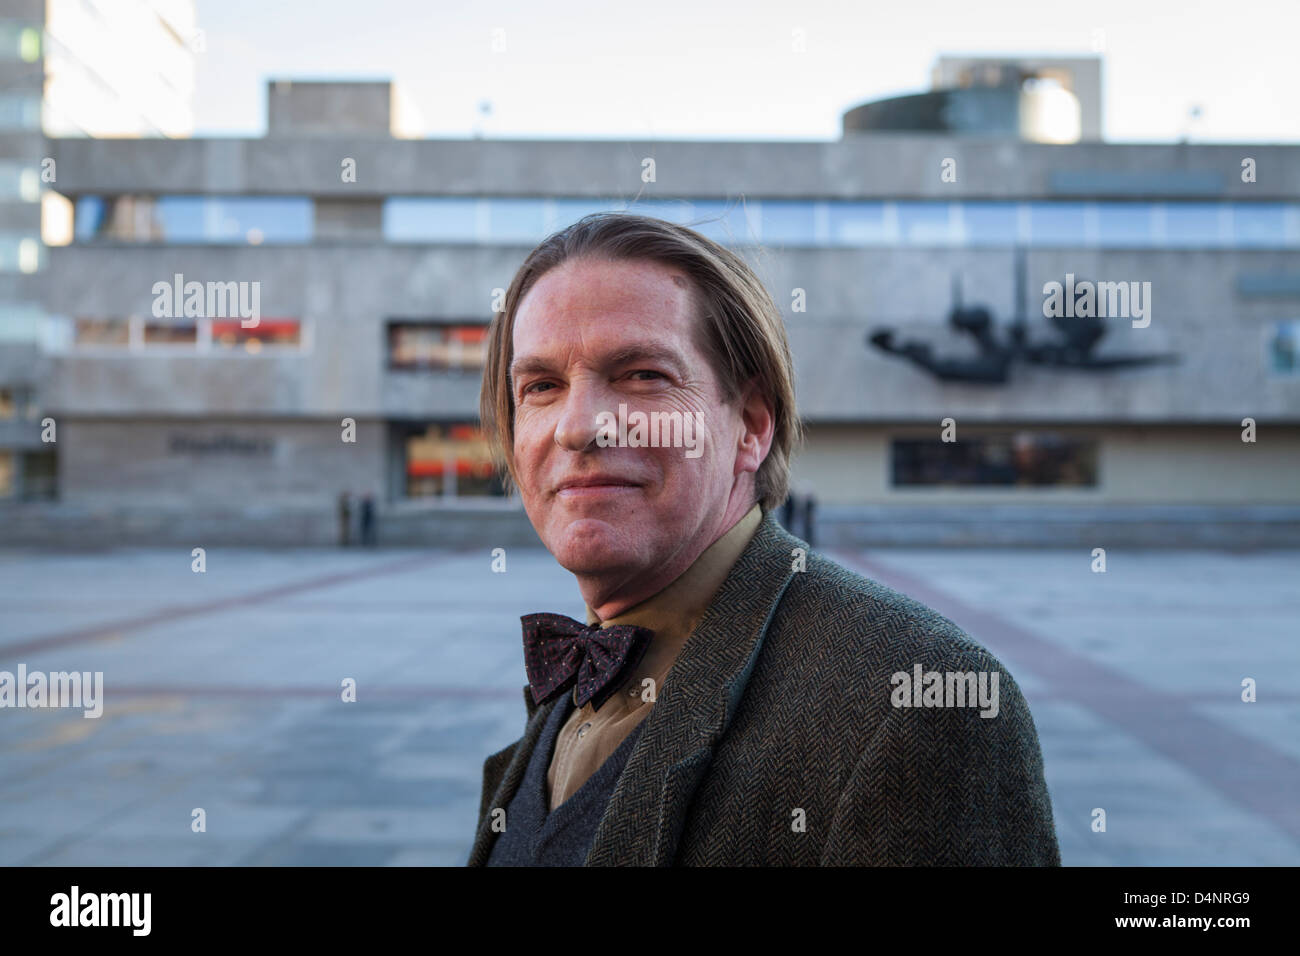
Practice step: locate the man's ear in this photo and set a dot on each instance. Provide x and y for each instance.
(758, 426)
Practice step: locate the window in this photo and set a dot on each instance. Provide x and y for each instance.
(17, 402)
(436, 345)
(788, 222)
(1194, 224)
(195, 219)
(170, 333)
(449, 461)
(432, 219)
(277, 333)
(926, 223)
(1259, 224)
(1125, 224)
(40, 476)
(110, 333)
(490, 220)
(134, 334)
(1058, 223)
(859, 223)
(991, 223)
(19, 42)
(1284, 348)
(727, 222)
(1010, 459)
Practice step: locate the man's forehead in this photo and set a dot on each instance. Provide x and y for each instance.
(596, 311)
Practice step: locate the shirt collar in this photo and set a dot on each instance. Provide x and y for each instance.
(673, 612)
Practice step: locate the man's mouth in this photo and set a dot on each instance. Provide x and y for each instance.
(594, 486)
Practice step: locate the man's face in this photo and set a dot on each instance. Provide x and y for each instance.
(591, 335)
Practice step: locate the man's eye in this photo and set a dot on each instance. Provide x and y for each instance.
(529, 388)
(648, 371)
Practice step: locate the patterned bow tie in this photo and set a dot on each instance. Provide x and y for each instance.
(560, 653)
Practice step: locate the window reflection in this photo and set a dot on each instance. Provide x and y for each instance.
(795, 222)
(1017, 459)
(186, 219)
(436, 345)
(450, 460)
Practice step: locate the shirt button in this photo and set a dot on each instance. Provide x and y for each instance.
(582, 731)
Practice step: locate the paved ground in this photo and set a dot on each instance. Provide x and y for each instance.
(222, 692)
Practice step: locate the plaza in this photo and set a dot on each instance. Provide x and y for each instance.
(223, 691)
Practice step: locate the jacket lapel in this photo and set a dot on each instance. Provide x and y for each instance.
(504, 790)
(644, 819)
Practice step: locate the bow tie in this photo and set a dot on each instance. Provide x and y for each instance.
(560, 653)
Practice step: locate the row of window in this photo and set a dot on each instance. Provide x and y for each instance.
(135, 333)
(822, 223)
(454, 460)
(412, 345)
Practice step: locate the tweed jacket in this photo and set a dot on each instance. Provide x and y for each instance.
(775, 739)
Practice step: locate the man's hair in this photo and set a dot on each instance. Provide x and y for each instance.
(738, 328)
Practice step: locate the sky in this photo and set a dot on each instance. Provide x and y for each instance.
(696, 69)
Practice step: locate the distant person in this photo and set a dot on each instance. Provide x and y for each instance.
(726, 702)
(368, 519)
(809, 512)
(345, 519)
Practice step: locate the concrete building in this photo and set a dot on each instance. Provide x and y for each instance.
(377, 262)
(67, 68)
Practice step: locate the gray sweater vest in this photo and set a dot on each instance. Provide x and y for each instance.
(561, 837)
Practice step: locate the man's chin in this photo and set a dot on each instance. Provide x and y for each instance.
(589, 545)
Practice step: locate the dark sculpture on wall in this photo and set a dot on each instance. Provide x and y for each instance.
(1072, 349)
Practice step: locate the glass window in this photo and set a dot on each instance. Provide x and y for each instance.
(113, 333)
(1193, 224)
(990, 223)
(170, 333)
(1058, 223)
(927, 223)
(19, 42)
(436, 345)
(789, 221)
(516, 220)
(21, 322)
(89, 217)
(569, 211)
(20, 253)
(1016, 459)
(432, 219)
(40, 475)
(185, 219)
(1125, 224)
(237, 219)
(20, 111)
(858, 223)
(679, 211)
(1259, 224)
(1284, 348)
(727, 222)
(450, 460)
(17, 403)
(231, 334)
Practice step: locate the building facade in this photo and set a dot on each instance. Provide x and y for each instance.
(373, 264)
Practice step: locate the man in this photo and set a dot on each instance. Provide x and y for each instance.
(732, 698)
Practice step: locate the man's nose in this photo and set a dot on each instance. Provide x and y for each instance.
(578, 426)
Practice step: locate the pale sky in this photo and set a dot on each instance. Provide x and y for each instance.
(696, 69)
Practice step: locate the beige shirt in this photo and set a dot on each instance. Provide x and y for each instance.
(588, 738)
